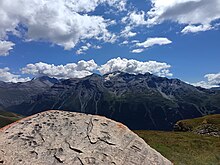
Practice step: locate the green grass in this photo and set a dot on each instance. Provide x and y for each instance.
(197, 122)
(8, 118)
(184, 148)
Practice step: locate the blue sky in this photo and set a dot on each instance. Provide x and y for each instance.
(72, 38)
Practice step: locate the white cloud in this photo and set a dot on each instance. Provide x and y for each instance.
(71, 70)
(154, 41)
(90, 5)
(86, 68)
(124, 43)
(132, 20)
(195, 29)
(61, 22)
(6, 76)
(97, 47)
(134, 41)
(86, 47)
(121, 4)
(5, 47)
(203, 84)
(83, 49)
(137, 18)
(135, 67)
(127, 33)
(213, 80)
(189, 12)
(137, 50)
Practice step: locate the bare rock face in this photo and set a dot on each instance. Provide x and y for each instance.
(58, 137)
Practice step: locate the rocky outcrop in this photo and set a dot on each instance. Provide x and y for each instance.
(208, 129)
(58, 137)
(207, 125)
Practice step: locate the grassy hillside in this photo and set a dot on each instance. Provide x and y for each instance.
(192, 124)
(184, 148)
(8, 118)
(209, 125)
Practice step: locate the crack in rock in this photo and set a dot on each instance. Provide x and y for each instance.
(58, 159)
(74, 149)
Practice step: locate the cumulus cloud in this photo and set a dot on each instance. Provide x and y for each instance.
(6, 76)
(86, 68)
(135, 67)
(195, 29)
(137, 50)
(213, 80)
(90, 5)
(61, 22)
(5, 47)
(153, 41)
(189, 12)
(71, 70)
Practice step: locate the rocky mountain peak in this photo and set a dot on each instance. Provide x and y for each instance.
(45, 79)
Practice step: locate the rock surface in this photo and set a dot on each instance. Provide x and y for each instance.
(58, 137)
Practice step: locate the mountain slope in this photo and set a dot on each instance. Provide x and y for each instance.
(139, 101)
(12, 94)
(8, 118)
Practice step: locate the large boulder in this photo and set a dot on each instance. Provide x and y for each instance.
(59, 137)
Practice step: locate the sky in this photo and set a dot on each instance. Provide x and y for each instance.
(75, 38)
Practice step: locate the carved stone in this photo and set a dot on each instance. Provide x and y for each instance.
(59, 137)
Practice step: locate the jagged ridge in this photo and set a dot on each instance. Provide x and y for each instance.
(142, 101)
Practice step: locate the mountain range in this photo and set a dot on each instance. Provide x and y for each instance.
(142, 101)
